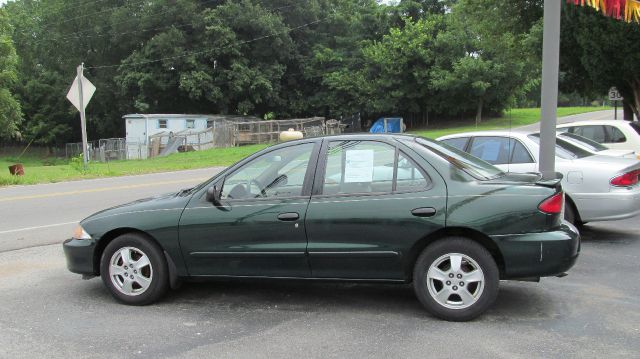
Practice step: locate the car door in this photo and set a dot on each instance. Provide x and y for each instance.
(258, 229)
(371, 203)
(506, 153)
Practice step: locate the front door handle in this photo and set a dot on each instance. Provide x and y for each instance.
(288, 216)
(424, 212)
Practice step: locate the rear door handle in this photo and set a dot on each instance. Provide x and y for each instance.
(288, 216)
(424, 212)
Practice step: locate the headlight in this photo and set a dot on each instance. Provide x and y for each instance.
(80, 233)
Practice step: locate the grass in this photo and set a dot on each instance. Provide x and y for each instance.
(39, 169)
(515, 118)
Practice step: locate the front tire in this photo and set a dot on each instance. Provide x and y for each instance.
(456, 279)
(134, 270)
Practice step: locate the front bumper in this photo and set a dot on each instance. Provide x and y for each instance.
(541, 254)
(79, 254)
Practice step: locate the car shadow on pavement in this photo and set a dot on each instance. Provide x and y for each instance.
(515, 299)
(599, 234)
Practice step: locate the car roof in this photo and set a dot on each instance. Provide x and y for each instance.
(593, 122)
(501, 133)
(352, 136)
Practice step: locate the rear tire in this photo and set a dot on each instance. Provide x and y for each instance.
(134, 270)
(456, 279)
(570, 214)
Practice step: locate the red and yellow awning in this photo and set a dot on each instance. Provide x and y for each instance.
(627, 10)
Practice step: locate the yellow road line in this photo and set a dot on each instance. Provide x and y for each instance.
(101, 189)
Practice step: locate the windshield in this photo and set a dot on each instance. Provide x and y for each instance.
(586, 142)
(564, 149)
(473, 166)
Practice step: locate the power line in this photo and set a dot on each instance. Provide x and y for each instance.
(190, 53)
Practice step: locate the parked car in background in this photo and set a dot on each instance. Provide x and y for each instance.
(391, 208)
(594, 147)
(615, 134)
(597, 187)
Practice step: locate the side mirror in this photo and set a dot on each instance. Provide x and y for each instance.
(213, 196)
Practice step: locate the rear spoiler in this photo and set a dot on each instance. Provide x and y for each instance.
(551, 182)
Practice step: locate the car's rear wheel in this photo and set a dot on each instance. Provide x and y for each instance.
(134, 269)
(456, 279)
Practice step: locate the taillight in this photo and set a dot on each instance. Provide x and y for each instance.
(553, 204)
(626, 180)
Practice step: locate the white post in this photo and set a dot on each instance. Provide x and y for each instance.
(550, 65)
(83, 120)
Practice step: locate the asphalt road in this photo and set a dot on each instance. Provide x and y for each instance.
(47, 213)
(46, 311)
(589, 116)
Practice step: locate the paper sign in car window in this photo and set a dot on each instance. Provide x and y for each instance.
(490, 150)
(358, 166)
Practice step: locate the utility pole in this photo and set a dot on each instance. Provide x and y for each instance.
(83, 120)
(549, 95)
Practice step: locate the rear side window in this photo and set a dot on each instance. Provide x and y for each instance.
(459, 143)
(520, 153)
(592, 132)
(635, 126)
(614, 135)
(359, 167)
(409, 177)
(495, 150)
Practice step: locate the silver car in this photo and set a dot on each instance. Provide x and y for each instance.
(597, 187)
(594, 147)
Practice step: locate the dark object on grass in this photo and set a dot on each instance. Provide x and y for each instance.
(16, 170)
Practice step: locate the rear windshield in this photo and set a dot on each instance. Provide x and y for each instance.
(635, 126)
(475, 167)
(564, 149)
(586, 142)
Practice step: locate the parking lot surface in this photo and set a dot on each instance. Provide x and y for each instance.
(594, 312)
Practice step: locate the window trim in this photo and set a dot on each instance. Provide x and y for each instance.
(166, 123)
(189, 120)
(321, 171)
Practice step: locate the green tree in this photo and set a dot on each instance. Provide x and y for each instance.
(10, 112)
(598, 52)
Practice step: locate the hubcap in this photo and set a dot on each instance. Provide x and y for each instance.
(130, 271)
(459, 294)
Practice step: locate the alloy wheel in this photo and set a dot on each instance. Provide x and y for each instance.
(455, 281)
(130, 271)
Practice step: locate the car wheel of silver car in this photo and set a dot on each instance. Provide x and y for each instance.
(456, 279)
(134, 269)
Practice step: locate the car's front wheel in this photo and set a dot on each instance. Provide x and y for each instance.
(134, 269)
(456, 279)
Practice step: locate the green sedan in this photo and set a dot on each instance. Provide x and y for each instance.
(383, 208)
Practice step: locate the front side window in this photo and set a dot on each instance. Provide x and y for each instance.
(276, 174)
(359, 167)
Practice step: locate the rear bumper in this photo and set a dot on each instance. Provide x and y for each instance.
(79, 255)
(620, 203)
(539, 254)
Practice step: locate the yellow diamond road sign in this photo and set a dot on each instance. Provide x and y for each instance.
(87, 92)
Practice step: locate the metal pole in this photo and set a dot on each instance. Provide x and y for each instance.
(550, 65)
(83, 120)
(615, 109)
